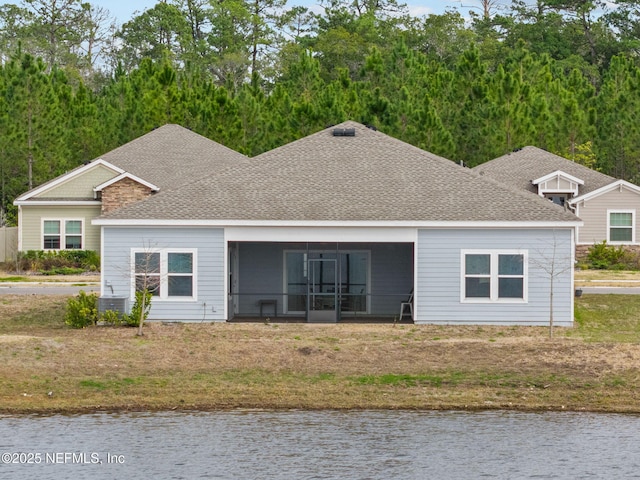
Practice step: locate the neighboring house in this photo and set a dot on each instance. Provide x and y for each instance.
(607, 206)
(57, 215)
(345, 223)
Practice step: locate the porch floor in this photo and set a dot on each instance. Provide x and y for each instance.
(348, 320)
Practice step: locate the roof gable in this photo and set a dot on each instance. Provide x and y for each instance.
(171, 155)
(521, 168)
(558, 182)
(607, 188)
(57, 187)
(560, 175)
(166, 157)
(130, 177)
(367, 177)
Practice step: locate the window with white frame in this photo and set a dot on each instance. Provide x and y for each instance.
(62, 234)
(621, 226)
(494, 276)
(166, 273)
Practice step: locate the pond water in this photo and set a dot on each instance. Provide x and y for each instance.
(320, 445)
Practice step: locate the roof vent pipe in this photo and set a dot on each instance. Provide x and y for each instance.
(344, 132)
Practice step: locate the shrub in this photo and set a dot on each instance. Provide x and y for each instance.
(603, 256)
(63, 271)
(133, 318)
(54, 262)
(82, 311)
(110, 317)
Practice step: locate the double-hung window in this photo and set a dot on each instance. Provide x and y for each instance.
(147, 272)
(621, 226)
(494, 276)
(166, 273)
(62, 234)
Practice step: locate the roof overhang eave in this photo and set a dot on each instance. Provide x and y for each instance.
(558, 173)
(21, 203)
(605, 189)
(115, 222)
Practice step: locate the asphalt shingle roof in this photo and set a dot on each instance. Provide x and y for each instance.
(168, 156)
(171, 155)
(366, 177)
(519, 168)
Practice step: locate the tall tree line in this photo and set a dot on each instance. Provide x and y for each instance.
(255, 74)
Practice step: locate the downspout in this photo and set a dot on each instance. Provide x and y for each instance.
(306, 267)
(20, 225)
(571, 207)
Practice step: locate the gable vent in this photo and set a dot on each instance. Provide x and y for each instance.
(344, 132)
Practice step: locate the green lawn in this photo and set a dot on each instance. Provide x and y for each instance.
(607, 318)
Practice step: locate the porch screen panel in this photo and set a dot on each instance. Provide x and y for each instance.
(296, 265)
(353, 279)
(323, 278)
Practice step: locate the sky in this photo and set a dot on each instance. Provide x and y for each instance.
(123, 10)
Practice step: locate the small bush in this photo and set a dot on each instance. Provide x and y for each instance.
(110, 317)
(82, 311)
(62, 262)
(63, 271)
(133, 319)
(609, 257)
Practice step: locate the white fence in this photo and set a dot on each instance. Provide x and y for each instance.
(8, 244)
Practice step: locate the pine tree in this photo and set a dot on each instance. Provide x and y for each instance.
(37, 128)
(618, 135)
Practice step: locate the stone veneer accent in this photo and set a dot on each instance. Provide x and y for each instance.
(123, 193)
(582, 251)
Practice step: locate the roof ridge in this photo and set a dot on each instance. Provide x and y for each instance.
(370, 176)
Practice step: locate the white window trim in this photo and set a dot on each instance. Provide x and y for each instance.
(633, 226)
(494, 277)
(164, 273)
(63, 233)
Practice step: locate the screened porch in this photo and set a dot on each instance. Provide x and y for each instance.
(320, 282)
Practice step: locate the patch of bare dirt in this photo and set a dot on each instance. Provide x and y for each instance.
(606, 278)
(86, 277)
(15, 338)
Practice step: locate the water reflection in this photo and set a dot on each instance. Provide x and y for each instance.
(324, 445)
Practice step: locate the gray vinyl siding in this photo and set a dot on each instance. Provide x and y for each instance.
(32, 217)
(261, 274)
(438, 256)
(594, 214)
(210, 268)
